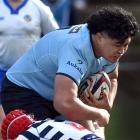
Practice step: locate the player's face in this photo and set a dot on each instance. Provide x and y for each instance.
(112, 49)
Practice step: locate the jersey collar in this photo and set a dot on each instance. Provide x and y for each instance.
(91, 40)
(15, 11)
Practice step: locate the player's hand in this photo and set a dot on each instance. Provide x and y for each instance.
(103, 118)
(102, 102)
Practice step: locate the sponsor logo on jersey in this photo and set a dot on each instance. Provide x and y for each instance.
(91, 137)
(75, 66)
(79, 61)
(27, 18)
(75, 29)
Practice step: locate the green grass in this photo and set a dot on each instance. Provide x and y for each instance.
(125, 119)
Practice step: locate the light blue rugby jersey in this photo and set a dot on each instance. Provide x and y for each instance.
(66, 51)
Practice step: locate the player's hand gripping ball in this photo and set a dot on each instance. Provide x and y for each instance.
(97, 84)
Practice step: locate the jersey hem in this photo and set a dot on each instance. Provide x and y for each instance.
(68, 77)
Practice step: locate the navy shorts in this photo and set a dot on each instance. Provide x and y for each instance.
(2, 75)
(16, 97)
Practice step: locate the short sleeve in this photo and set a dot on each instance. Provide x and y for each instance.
(72, 64)
(110, 68)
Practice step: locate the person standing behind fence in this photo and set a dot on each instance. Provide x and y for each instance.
(22, 22)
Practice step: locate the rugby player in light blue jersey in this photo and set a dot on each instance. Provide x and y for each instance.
(45, 80)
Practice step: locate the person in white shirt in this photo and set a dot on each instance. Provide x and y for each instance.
(22, 23)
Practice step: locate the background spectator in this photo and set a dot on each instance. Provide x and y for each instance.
(22, 22)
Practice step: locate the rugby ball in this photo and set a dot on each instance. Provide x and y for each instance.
(96, 84)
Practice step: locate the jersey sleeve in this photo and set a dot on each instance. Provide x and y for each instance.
(110, 68)
(48, 22)
(72, 65)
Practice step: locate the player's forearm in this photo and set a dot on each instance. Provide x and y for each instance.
(113, 91)
(76, 110)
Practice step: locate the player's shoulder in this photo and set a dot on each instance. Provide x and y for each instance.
(81, 37)
(40, 5)
(77, 31)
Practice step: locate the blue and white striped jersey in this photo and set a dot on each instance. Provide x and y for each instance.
(55, 130)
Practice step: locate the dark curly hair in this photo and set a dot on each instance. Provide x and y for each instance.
(116, 22)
